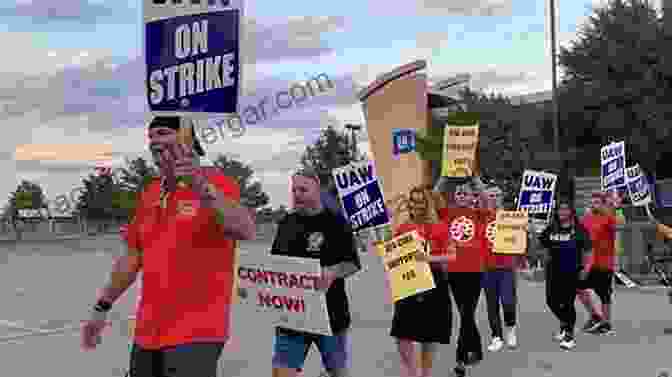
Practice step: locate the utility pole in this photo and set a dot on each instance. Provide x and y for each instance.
(556, 114)
(353, 129)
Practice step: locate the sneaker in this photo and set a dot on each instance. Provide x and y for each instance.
(592, 324)
(460, 370)
(604, 328)
(496, 345)
(568, 342)
(559, 336)
(511, 338)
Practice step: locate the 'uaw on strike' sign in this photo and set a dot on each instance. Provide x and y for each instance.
(612, 157)
(284, 290)
(537, 191)
(361, 195)
(638, 187)
(192, 55)
(407, 276)
(511, 232)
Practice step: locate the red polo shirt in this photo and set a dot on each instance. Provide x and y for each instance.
(187, 267)
(602, 230)
(466, 227)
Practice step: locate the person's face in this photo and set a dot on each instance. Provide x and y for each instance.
(463, 198)
(490, 199)
(597, 203)
(615, 199)
(305, 193)
(564, 213)
(160, 139)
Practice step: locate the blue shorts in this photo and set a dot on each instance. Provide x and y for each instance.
(291, 349)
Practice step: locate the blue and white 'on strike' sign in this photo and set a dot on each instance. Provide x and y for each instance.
(192, 55)
(638, 186)
(361, 195)
(537, 192)
(612, 157)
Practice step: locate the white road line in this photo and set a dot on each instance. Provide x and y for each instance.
(16, 325)
(11, 338)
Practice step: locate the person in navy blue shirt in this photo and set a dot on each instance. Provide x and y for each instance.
(566, 241)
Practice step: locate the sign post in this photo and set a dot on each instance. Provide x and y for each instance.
(192, 55)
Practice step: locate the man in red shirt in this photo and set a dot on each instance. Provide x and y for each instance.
(598, 272)
(183, 237)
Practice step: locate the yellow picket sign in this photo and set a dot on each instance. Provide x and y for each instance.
(511, 233)
(460, 148)
(406, 275)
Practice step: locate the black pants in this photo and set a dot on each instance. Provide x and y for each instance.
(500, 288)
(189, 360)
(466, 288)
(561, 295)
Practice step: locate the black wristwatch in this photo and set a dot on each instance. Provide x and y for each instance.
(102, 306)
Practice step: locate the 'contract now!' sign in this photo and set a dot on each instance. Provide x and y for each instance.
(192, 54)
(285, 290)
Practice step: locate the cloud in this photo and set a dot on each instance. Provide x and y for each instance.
(443, 8)
(80, 11)
(297, 38)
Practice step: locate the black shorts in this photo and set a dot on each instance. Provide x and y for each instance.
(426, 317)
(188, 360)
(601, 281)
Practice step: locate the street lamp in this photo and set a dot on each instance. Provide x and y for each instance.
(354, 128)
(556, 114)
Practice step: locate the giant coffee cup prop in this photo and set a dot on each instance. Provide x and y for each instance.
(397, 100)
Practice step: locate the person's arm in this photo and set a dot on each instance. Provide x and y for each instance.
(126, 267)
(224, 197)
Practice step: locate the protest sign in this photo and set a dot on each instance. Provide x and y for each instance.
(511, 232)
(537, 194)
(361, 195)
(612, 159)
(192, 56)
(460, 148)
(406, 275)
(284, 290)
(403, 141)
(638, 187)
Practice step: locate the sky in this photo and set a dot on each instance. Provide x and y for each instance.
(72, 78)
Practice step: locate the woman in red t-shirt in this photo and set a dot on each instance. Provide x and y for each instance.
(425, 318)
(467, 228)
(499, 279)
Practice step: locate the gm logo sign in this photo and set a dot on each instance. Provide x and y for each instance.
(222, 3)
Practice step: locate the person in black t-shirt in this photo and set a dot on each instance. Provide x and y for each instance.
(566, 241)
(310, 231)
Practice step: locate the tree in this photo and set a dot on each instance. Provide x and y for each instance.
(96, 199)
(27, 196)
(330, 151)
(618, 75)
(136, 175)
(251, 192)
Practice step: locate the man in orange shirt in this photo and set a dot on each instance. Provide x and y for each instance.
(598, 272)
(183, 237)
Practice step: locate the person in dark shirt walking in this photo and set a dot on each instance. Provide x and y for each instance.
(566, 241)
(310, 231)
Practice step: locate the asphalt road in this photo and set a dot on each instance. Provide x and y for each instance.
(48, 287)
